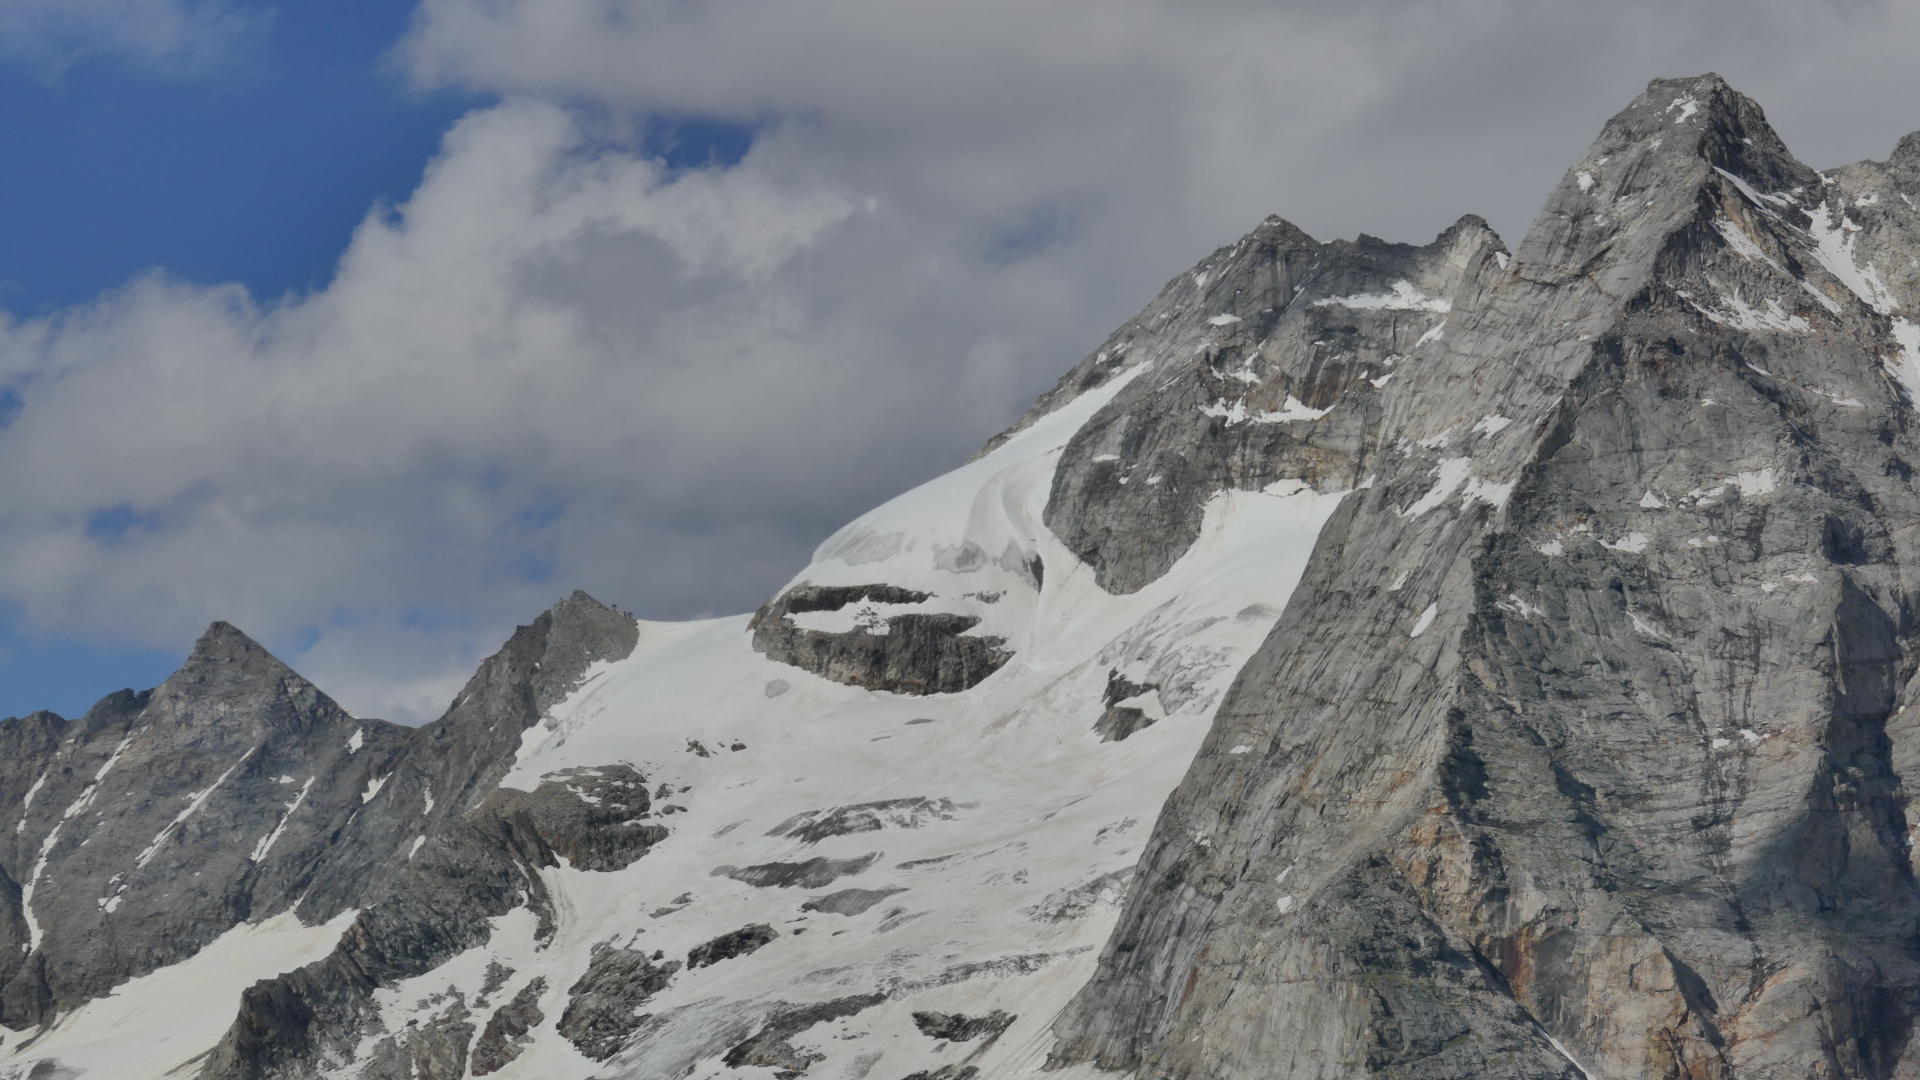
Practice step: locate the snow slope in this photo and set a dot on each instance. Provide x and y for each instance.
(1009, 874)
(991, 874)
(162, 1024)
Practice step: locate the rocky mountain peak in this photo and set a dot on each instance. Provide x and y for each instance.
(1644, 177)
(224, 654)
(232, 678)
(1678, 420)
(1407, 660)
(580, 631)
(1902, 167)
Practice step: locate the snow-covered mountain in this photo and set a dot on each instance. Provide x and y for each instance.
(1373, 660)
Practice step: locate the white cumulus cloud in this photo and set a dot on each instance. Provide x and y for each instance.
(560, 364)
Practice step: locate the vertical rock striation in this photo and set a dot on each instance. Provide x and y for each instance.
(236, 791)
(1580, 747)
(1577, 753)
(148, 827)
(444, 850)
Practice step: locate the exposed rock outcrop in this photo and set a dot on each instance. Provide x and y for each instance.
(438, 848)
(501, 1040)
(737, 943)
(1580, 748)
(603, 1006)
(956, 1027)
(595, 818)
(1577, 750)
(908, 653)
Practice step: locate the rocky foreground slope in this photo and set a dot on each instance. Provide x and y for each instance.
(1374, 660)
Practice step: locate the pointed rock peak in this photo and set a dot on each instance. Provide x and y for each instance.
(581, 613)
(226, 670)
(1904, 164)
(1697, 120)
(226, 645)
(1278, 230)
(1467, 238)
(580, 632)
(1656, 163)
(1470, 225)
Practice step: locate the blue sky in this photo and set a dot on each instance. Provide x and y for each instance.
(254, 168)
(374, 328)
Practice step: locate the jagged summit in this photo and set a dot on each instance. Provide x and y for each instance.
(1375, 660)
(223, 636)
(1576, 691)
(231, 679)
(235, 790)
(225, 654)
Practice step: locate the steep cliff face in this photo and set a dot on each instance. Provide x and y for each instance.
(449, 852)
(1290, 345)
(1374, 660)
(124, 854)
(236, 794)
(1580, 747)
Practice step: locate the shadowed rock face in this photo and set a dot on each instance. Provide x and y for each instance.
(506, 1031)
(729, 946)
(812, 874)
(958, 1028)
(601, 1007)
(1585, 736)
(159, 820)
(236, 789)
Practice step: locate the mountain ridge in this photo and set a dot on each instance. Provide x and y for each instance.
(1438, 847)
(1504, 655)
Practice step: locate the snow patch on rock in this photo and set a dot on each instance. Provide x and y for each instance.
(1402, 297)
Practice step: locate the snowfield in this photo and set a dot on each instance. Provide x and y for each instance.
(982, 842)
(162, 1024)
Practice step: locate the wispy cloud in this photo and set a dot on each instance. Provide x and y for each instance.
(165, 35)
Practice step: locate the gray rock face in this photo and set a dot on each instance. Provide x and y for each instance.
(501, 1040)
(1121, 721)
(915, 653)
(812, 874)
(602, 1008)
(737, 943)
(956, 1027)
(595, 818)
(159, 820)
(1291, 342)
(1581, 747)
(236, 790)
(434, 1050)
